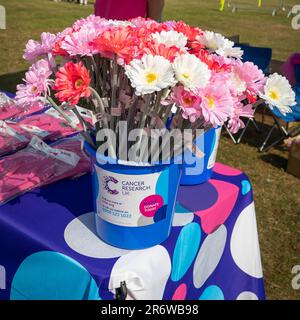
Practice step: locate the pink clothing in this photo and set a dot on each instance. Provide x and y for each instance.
(288, 68)
(29, 168)
(121, 9)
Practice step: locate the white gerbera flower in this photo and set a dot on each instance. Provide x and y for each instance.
(279, 93)
(239, 85)
(150, 74)
(219, 44)
(171, 38)
(191, 72)
(119, 23)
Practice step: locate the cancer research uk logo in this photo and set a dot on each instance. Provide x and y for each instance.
(296, 18)
(107, 180)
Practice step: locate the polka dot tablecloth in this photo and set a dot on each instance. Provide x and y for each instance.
(49, 248)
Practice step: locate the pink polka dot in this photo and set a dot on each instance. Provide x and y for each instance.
(180, 292)
(217, 214)
(151, 204)
(226, 170)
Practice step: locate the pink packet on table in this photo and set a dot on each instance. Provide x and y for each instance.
(56, 127)
(10, 110)
(40, 164)
(10, 140)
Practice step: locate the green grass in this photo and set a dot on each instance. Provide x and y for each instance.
(276, 192)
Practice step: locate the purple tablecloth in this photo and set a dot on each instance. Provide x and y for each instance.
(49, 250)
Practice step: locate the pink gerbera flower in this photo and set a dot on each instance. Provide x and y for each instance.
(190, 32)
(188, 101)
(90, 21)
(118, 41)
(36, 49)
(217, 103)
(57, 49)
(72, 83)
(170, 53)
(235, 122)
(37, 83)
(81, 42)
(248, 76)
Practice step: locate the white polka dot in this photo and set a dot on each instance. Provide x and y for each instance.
(146, 273)
(80, 235)
(244, 244)
(247, 295)
(209, 256)
(181, 219)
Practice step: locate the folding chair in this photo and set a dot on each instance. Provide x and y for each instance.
(258, 55)
(293, 116)
(262, 58)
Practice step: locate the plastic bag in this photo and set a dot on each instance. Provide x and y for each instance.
(10, 140)
(40, 164)
(9, 109)
(54, 124)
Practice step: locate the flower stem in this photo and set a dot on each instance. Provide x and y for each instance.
(99, 107)
(84, 134)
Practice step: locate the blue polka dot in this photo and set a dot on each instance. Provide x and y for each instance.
(180, 209)
(212, 293)
(160, 214)
(48, 275)
(246, 187)
(186, 248)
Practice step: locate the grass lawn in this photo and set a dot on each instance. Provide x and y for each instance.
(276, 192)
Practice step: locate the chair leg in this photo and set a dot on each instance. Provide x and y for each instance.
(262, 147)
(284, 134)
(243, 131)
(274, 144)
(281, 128)
(255, 125)
(253, 121)
(230, 134)
(250, 120)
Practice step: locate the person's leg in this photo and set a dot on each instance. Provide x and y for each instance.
(155, 9)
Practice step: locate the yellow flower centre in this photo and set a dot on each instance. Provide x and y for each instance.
(185, 75)
(273, 94)
(211, 102)
(34, 89)
(187, 101)
(78, 83)
(151, 77)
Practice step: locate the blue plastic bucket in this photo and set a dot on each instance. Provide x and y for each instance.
(134, 205)
(199, 170)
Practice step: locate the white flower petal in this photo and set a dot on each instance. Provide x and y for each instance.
(150, 74)
(191, 72)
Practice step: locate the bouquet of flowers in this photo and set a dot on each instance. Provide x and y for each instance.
(146, 75)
